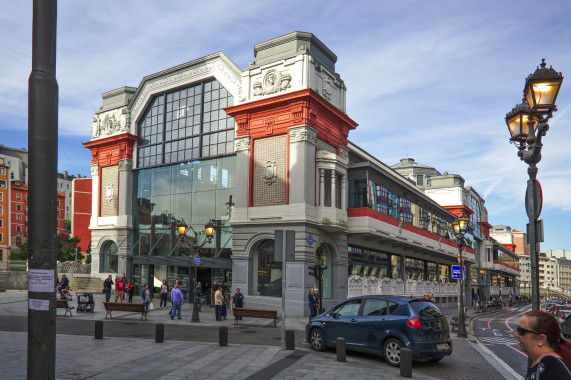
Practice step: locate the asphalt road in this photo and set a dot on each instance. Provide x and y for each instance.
(497, 333)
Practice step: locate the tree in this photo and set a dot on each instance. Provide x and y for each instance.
(88, 252)
(67, 224)
(22, 254)
(67, 247)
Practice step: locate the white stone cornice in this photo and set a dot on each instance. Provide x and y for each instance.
(241, 143)
(302, 133)
(125, 164)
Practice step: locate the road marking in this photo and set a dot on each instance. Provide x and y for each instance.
(507, 320)
(494, 340)
(515, 349)
(501, 315)
(499, 361)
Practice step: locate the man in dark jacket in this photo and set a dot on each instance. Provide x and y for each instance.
(312, 302)
(107, 288)
(238, 301)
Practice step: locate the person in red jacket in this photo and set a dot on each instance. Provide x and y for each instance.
(119, 289)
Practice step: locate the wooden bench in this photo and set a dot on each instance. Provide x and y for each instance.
(254, 313)
(62, 304)
(128, 307)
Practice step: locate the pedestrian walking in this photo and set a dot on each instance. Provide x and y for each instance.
(147, 297)
(177, 301)
(119, 289)
(317, 304)
(107, 284)
(539, 336)
(312, 303)
(164, 295)
(198, 295)
(238, 301)
(131, 290)
(223, 311)
(218, 301)
(213, 290)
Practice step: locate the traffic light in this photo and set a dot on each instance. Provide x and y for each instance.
(321, 268)
(313, 270)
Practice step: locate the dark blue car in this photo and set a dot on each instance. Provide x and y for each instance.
(384, 325)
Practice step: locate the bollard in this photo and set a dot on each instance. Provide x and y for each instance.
(98, 329)
(159, 332)
(341, 350)
(290, 340)
(223, 336)
(405, 362)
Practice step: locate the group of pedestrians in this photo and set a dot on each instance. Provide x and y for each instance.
(313, 302)
(120, 286)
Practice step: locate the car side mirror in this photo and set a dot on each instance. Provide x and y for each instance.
(335, 315)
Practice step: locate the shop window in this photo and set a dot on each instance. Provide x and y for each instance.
(18, 196)
(266, 272)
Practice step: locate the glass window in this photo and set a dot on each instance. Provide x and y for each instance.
(166, 127)
(348, 309)
(395, 266)
(109, 258)
(19, 196)
(323, 257)
(426, 309)
(266, 273)
(393, 306)
(414, 269)
(375, 307)
(444, 273)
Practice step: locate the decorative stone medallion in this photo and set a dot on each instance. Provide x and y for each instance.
(272, 82)
(109, 193)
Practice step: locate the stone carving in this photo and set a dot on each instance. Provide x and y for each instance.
(302, 133)
(94, 170)
(270, 172)
(126, 164)
(110, 123)
(273, 81)
(344, 154)
(242, 143)
(327, 89)
(109, 193)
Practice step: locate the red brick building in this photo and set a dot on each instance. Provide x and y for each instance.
(4, 213)
(81, 211)
(19, 213)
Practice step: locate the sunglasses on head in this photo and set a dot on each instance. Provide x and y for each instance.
(521, 331)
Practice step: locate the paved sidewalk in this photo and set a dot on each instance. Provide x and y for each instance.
(182, 355)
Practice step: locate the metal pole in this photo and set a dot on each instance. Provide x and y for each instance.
(42, 195)
(535, 302)
(283, 289)
(461, 326)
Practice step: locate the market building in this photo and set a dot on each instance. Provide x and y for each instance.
(258, 150)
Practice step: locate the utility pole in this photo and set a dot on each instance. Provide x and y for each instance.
(42, 224)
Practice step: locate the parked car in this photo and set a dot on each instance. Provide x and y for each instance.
(562, 313)
(383, 325)
(557, 309)
(566, 327)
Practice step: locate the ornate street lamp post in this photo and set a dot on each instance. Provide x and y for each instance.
(460, 226)
(210, 230)
(527, 123)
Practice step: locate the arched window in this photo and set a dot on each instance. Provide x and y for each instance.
(109, 261)
(323, 257)
(266, 273)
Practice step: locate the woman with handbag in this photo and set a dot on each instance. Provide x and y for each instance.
(147, 297)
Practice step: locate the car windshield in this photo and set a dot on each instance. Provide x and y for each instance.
(426, 309)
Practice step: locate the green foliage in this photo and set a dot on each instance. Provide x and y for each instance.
(20, 255)
(67, 224)
(88, 252)
(67, 246)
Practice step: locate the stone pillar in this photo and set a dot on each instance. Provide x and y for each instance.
(302, 165)
(242, 146)
(343, 192)
(321, 187)
(333, 188)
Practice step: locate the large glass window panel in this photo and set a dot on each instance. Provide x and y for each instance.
(202, 176)
(266, 274)
(203, 208)
(161, 181)
(181, 178)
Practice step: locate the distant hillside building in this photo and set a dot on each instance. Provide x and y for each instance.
(81, 211)
(64, 184)
(4, 213)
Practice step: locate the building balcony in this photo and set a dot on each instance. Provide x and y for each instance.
(367, 225)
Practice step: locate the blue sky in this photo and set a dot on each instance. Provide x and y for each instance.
(431, 80)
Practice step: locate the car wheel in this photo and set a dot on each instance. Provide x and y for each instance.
(317, 340)
(391, 351)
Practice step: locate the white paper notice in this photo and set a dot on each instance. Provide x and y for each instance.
(41, 280)
(38, 304)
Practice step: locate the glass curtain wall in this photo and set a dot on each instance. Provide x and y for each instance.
(266, 273)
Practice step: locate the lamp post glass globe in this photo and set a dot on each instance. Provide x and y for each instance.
(542, 87)
(182, 228)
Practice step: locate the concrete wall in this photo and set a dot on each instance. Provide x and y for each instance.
(14, 280)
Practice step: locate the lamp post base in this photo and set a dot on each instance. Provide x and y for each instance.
(195, 317)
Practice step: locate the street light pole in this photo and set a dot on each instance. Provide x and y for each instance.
(460, 226)
(527, 123)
